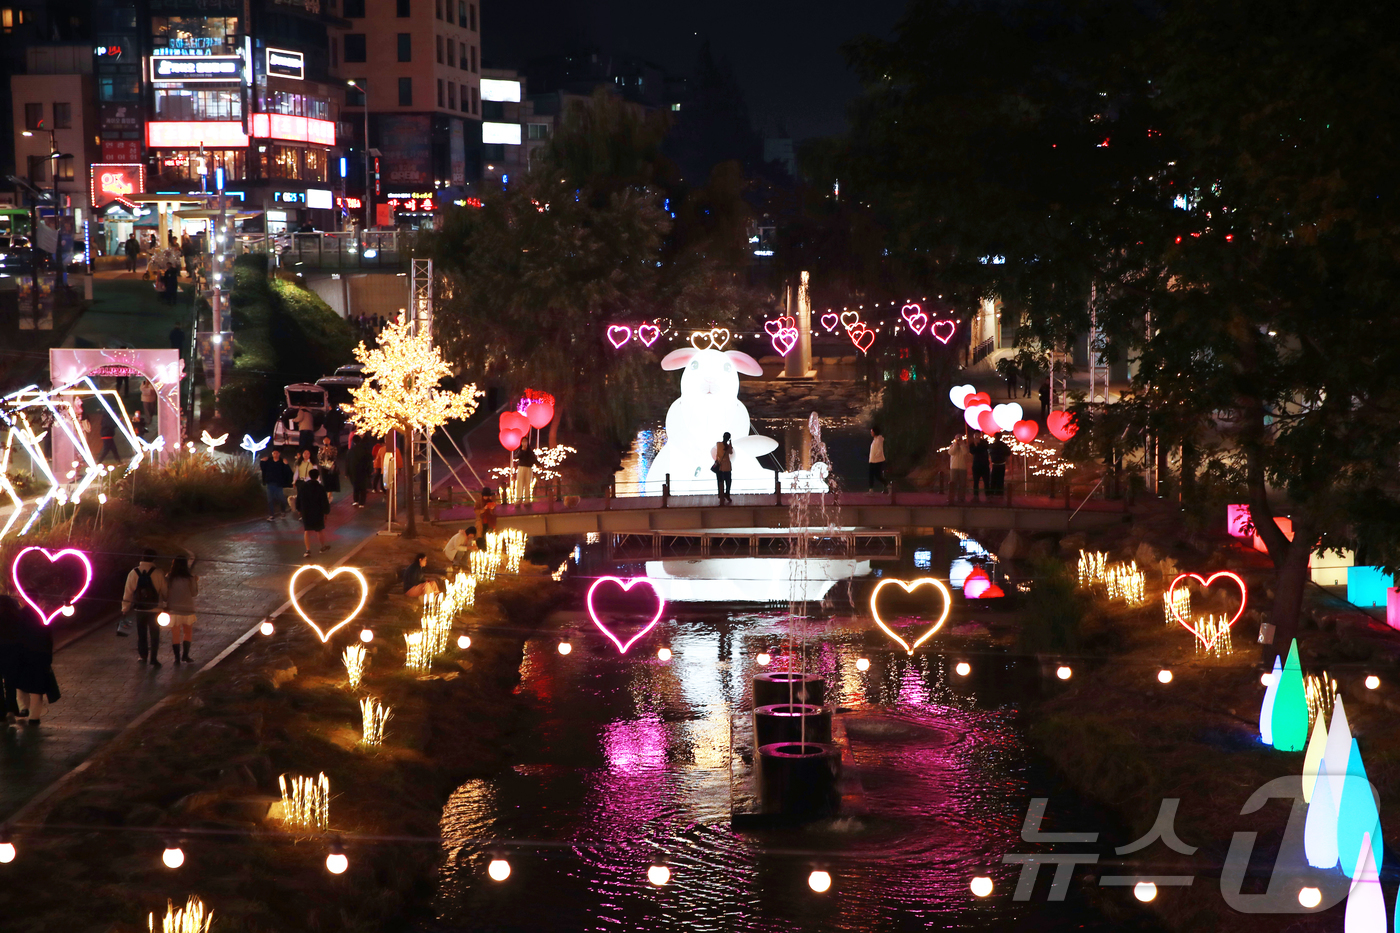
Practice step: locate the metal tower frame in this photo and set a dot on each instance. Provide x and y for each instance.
(420, 297)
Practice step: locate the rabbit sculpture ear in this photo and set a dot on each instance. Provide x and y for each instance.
(677, 359)
(744, 363)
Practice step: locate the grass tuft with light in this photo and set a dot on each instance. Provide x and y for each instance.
(354, 659)
(375, 715)
(416, 657)
(306, 801)
(192, 918)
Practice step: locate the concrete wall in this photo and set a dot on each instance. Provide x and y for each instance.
(372, 293)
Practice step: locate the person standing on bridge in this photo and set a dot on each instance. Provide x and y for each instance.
(876, 471)
(981, 465)
(723, 468)
(958, 459)
(999, 453)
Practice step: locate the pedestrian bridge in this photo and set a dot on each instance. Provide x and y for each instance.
(905, 512)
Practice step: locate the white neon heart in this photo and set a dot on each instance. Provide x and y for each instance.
(1007, 415)
(909, 588)
(958, 395)
(296, 603)
(970, 415)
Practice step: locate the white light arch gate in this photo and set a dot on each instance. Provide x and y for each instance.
(162, 368)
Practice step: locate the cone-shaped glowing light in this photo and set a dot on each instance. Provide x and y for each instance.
(1320, 829)
(1313, 759)
(1266, 709)
(1357, 817)
(1337, 751)
(1365, 903)
(1290, 714)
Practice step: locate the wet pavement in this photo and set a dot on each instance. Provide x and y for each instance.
(243, 570)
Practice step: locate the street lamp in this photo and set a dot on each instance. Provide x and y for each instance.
(364, 93)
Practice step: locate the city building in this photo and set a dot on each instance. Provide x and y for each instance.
(511, 130)
(416, 94)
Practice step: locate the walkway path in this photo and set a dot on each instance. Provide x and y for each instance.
(243, 573)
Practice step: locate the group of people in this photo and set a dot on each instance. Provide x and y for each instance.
(149, 592)
(368, 326)
(314, 478)
(164, 263)
(27, 682)
(987, 460)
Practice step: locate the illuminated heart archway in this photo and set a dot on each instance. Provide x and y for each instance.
(625, 585)
(909, 588)
(1205, 584)
(53, 556)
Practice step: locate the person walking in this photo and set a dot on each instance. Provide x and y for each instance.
(1011, 376)
(981, 466)
(998, 454)
(1045, 397)
(276, 477)
(189, 251)
(525, 462)
(108, 426)
(313, 504)
(724, 469)
(326, 461)
(182, 586)
(306, 429)
(876, 471)
(30, 685)
(958, 460)
(145, 593)
(170, 278)
(377, 461)
(132, 248)
(301, 472)
(359, 465)
(148, 398)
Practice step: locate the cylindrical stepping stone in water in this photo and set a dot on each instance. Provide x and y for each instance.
(791, 722)
(798, 778)
(773, 687)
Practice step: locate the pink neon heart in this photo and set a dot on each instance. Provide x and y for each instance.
(917, 321)
(52, 556)
(784, 340)
(829, 321)
(862, 337)
(909, 310)
(627, 585)
(647, 334)
(1205, 583)
(618, 334)
(939, 327)
(772, 327)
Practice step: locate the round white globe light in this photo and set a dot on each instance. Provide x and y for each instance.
(1267, 679)
(266, 628)
(464, 642)
(336, 863)
(663, 654)
(173, 857)
(499, 869)
(565, 647)
(1164, 676)
(1372, 682)
(963, 668)
(659, 875)
(764, 659)
(819, 881)
(163, 619)
(981, 886)
(1145, 891)
(7, 853)
(1309, 897)
(1064, 672)
(862, 664)
(366, 635)
(68, 610)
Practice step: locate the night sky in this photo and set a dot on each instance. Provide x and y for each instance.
(786, 54)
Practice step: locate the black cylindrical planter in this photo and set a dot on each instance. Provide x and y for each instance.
(791, 722)
(788, 687)
(798, 778)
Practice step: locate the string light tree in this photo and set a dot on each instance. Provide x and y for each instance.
(401, 394)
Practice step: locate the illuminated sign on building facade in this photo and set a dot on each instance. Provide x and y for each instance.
(285, 64)
(116, 182)
(296, 129)
(210, 134)
(206, 68)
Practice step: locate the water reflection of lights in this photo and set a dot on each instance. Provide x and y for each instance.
(750, 579)
(634, 746)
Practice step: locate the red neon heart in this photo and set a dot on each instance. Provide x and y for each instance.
(624, 586)
(939, 326)
(618, 334)
(917, 322)
(647, 334)
(1061, 424)
(829, 321)
(908, 311)
(862, 337)
(784, 340)
(1206, 582)
(788, 321)
(53, 557)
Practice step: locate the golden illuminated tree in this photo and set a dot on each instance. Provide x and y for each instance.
(401, 392)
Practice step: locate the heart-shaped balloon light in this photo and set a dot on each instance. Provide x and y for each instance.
(973, 413)
(540, 414)
(625, 585)
(784, 340)
(909, 588)
(987, 422)
(53, 556)
(830, 320)
(1061, 424)
(514, 421)
(647, 334)
(978, 398)
(849, 319)
(510, 438)
(325, 636)
(943, 331)
(1026, 431)
(1184, 578)
(619, 334)
(771, 328)
(862, 337)
(1007, 415)
(958, 395)
(977, 584)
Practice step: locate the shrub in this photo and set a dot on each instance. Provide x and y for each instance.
(195, 484)
(1055, 612)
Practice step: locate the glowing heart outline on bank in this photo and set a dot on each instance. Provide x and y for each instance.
(53, 557)
(910, 588)
(331, 575)
(625, 586)
(1205, 584)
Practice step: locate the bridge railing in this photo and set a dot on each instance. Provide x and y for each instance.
(363, 250)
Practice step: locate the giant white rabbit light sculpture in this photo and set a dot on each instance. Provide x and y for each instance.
(708, 407)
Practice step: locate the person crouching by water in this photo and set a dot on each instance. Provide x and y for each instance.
(416, 581)
(724, 469)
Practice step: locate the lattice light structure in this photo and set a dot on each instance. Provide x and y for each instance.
(354, 660)
(192, 918)
(375, 715)
(1321, 693)
(1093, 567)
(415, 658)
(306, 801)
(1214, 636)
(1180, 600)
(1126, 582)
